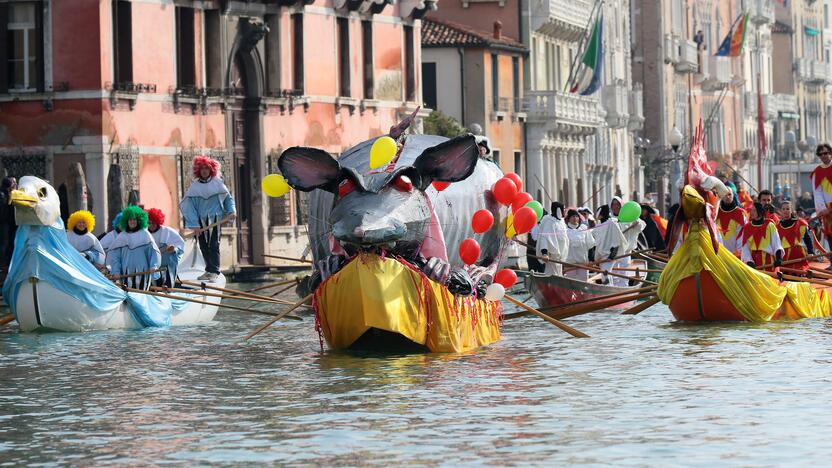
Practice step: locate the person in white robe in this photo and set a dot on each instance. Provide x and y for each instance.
(79, 234)
(581, 241)
(552, 240)
(608, 238)
(170, 244)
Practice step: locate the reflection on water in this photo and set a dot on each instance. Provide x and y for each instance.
(642, 390)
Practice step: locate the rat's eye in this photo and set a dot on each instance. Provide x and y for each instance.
(345, 188)
(403, 183)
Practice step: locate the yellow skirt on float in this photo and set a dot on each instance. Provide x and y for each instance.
(388, 294)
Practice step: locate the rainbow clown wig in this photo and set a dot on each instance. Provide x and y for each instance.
(133, 212)
(155, 216)
(81, 215)
(205, 161)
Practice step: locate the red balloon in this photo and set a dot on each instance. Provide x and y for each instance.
(482, 221)
(520, 200)
(504, 191)
(524, 220)
(516, 179)
(469, 251)
(506, 277)
(440, 186)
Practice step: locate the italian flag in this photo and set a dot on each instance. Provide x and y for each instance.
(588, 78)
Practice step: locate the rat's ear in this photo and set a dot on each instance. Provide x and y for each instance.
(449, 161)
(307, 169)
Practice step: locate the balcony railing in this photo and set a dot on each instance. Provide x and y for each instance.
(688, 57)
(566, 19)
(617, 105)
(636, 108)
(784, 103)
(761, 11)
(719, 73)
(555, 107)
(813, 71)
(769, 109)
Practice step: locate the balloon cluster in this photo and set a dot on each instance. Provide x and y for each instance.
(274, 185)
(525, 211)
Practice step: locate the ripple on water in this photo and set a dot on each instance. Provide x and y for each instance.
(642, 390)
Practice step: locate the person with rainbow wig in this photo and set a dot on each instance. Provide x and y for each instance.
(134, 251)
(79, 234)
(170, 244)
(207, 202)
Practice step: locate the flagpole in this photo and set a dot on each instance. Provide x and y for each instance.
(760, 137)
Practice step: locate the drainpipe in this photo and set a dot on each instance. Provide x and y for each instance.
(461, 53)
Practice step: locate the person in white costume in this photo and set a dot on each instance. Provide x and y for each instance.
(170, 244)
(608, 238)
(581, 241)
(552, 240)
(79, 234)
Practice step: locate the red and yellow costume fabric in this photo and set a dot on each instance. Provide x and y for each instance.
(821, 179)
(791, 238)
(760, 242)
(730, 223)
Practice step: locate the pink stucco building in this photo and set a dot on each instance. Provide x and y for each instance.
(147, 85)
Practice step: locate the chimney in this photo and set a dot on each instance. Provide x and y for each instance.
(498, 30)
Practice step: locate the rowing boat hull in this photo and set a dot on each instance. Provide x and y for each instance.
(552, 290)
(383, 304)
(40, 307)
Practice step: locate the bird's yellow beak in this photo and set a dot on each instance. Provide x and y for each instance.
(21, 198)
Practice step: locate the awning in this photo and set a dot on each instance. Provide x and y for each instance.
(810, 31)
(789, 115)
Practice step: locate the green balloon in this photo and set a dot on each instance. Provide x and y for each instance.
(536, 207)
(629, 212)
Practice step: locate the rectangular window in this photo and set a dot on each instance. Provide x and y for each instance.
(22, 56)
(122, 41)
(343, 27)
(409, 65)
(272, 62)
(185, 48)
(367, 58)
(495, 155)
(213, 50)
(495, 82)
(515, 83)
(429, 84)
(297, 52)
(518, 164)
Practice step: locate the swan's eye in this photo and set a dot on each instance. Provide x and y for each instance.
(403, 183)
(42, 193)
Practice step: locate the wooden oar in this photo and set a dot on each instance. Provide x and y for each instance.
(646, 270)
(221, 296)
(139, 273)
(231, 292)
(196, 301)
(555, 311)
(820, 272)
(798, 279)
(278, 317)
(572, 311)
(792, 262)
(594, 269)
(641, 307)
(274, 285)
(555, 322)
(300, 260)
(199, 231)
(6, 319)
(284, 289)
(591, 196)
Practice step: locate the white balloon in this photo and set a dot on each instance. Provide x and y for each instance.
(495, 292)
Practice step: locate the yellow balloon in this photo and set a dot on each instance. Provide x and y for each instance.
(510, 232)
(382, 151)
(274, 185)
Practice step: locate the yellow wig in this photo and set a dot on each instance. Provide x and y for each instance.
(81, 215)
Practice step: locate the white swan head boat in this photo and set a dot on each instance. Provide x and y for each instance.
(51, 287)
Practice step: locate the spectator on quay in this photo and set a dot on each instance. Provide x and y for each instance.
(8, 226)
(806, 203)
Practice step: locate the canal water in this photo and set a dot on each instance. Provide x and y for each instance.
(641, 391)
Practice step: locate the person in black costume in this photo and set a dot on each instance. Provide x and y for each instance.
(8, 226)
